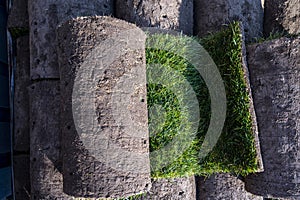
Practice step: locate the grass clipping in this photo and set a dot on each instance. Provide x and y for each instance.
(235, 150)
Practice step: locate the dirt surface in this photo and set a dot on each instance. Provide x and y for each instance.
(110, 157)
(44, 17)
(274, 74)
(282, 16)
(211, 16)
(223, 186)
(18, 16)
(175, 188)
(45, 162)
(21, 96)
(173, 15)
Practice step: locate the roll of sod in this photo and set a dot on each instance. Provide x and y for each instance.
(210, 16)
(223, 186)
(104, 110)
(45, 163)
(166, 14)
(174, 188)
(282, 16)
(21, 96)
(21, 131)
(274, 72)
(18, 15)
(44, 16)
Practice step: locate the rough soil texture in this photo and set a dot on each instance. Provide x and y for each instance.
(21, 96)
(211, 16)
(251, 104)
(223, 186)
(275, 77)
(175, 189)
(282, 16)
(166, 14)
(22, 177)
(103, 59)
(44, 16)
(45, 162)
(18, 16)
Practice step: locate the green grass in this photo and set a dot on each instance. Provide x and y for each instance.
(235, 151)
(174, 115)
(274, 35)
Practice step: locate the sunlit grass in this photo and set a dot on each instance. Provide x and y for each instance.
(235, 151)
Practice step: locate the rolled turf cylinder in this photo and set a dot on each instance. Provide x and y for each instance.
(104, 109)
(223, 186)
(282, 16)
(44, 16)
(18, 15)
(21, 118)
(175, 188)
(275, 79)
(21, 97)
(210, 16)
(45, 166)
(166, 14)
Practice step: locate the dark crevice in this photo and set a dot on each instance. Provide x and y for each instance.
(21, 153)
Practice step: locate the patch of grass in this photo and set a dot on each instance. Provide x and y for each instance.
(235, 151)
(275, 35)
(174, 114)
